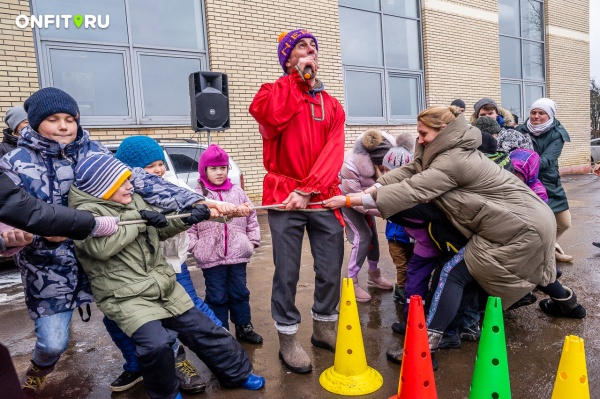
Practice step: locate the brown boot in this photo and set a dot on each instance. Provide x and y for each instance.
(375, 279)
(560, 254)
(292, 354)
(324, 335)
(35, 377)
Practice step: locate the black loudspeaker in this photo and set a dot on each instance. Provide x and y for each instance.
(209, 97)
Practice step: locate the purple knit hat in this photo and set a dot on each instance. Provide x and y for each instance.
(287, 42)
(213, 156)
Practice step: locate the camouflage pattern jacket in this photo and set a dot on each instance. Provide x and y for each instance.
(53, 280)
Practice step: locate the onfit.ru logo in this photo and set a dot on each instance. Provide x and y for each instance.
(62, 21)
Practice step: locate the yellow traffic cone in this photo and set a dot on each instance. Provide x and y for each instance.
(350, 374)
(571, 377)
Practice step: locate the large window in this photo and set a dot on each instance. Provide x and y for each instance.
(135, 72)
(382, 60)
(522, 55)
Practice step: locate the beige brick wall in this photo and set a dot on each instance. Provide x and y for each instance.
(18, 71)
(567, 76)
(461, 53)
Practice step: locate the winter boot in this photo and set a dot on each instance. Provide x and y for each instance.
(127, 379)
(246, 333)
(292, 354)
(324, 335)
(450, 339)
(189, 380)
(560, 254)
(375, 279)
(395, 355)
(399, 294)
(361, 295)
(564, 307)
(35, 377)
(399, 327)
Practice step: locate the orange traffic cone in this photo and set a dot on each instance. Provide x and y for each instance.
(416, 372)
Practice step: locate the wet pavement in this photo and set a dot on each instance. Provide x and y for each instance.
(534, 340)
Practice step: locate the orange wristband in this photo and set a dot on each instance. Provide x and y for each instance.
(348, 201)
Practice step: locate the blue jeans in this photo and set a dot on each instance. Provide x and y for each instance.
(127, 346)
(52, 334)
(226, 292)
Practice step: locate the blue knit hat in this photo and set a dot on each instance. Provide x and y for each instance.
(49, 101)
(100, 175)
(140, 151)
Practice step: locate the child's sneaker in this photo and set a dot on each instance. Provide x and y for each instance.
(253, 382)
(246, 333)
(470, 333)
(126, 380)
(399, 294)
(189, 380)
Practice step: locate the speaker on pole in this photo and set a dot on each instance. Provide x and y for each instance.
(209, 97)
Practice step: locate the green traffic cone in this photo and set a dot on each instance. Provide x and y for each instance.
(490, 377)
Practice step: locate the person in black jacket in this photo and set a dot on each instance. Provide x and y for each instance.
(22, 211)
(16, 119)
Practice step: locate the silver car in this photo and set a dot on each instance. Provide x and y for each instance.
(182, 157)
(595, 149)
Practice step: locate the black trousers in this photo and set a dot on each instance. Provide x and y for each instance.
(221, 353)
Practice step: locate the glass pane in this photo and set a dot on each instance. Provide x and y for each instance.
(508, 17)
(360, 34)
(95, 79)
(532, 20)
(403, 8)
(510, 54)
(404, 96)
(401, 41)
(371, 5)
(532, 93)
(170, 24)
(165, 84)
(115, 9)
(511, 98)
(363, 94)
(533, 61)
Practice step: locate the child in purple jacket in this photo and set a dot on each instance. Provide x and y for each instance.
(222, 250)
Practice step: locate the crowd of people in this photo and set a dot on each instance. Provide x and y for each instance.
(473, 208)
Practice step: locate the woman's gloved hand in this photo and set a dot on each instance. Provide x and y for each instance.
(199, 213)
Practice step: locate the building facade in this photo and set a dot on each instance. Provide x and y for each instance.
(128, 61)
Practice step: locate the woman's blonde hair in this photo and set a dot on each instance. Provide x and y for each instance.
(436, 117)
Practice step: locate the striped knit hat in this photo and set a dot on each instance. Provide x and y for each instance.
(100, 175)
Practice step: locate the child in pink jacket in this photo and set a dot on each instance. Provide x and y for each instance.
(222, 250)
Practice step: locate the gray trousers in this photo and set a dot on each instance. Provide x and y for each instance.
(326, 239)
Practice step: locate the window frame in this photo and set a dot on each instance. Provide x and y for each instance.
(385, 72)
(522, 82)
(132, 71)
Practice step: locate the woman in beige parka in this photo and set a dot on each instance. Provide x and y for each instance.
(510, 230)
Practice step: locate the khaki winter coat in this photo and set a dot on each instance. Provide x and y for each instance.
(132, 283)
(511, 230)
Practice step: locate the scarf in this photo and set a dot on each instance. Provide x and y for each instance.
(538, 130)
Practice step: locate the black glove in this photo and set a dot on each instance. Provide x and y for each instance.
(154, 219)
(199, 213)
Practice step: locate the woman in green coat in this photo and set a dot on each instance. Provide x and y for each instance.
(549, 137)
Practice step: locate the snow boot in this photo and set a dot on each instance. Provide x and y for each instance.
(375, 279)
(395, 355)
(292, 354)
(35, 377)
(361, 295)
(563, 307)
(324, 335)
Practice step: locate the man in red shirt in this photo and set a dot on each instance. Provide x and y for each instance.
(303, 149)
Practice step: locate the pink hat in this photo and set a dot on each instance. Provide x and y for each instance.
(213, 156)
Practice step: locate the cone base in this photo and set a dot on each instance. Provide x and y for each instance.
(355, 385)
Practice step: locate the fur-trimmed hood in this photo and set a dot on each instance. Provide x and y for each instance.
(360, 152)
(508, 123)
